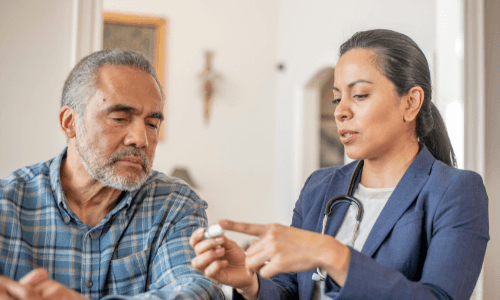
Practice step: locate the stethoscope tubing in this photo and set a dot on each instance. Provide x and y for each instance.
(351, 200)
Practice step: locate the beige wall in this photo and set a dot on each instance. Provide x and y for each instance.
(492, 146)
(35, 46)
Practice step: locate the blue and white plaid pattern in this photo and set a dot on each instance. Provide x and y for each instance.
(139, 249)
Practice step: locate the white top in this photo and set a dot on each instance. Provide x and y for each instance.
(373, 201)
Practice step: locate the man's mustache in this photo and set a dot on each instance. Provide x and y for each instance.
(129, 151)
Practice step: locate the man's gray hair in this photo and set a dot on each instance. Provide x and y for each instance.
(81, 85)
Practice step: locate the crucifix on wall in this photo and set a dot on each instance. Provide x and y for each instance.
(209, 79)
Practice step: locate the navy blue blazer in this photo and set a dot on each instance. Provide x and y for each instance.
(429, 241)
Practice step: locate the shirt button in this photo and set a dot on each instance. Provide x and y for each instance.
(91, 235)
(66, 220)
(89, 284)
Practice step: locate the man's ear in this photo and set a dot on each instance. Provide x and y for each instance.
(413, 103)
(67, 120)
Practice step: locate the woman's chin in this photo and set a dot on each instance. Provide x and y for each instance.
(353, 154)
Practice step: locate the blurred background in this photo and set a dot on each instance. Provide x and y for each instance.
(248, 88)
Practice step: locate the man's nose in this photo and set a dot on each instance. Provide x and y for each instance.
(137, 135)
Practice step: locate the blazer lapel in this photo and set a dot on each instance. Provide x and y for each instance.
(403, 196)
(338, 186)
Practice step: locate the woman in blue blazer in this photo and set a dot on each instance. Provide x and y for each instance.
(429, 239)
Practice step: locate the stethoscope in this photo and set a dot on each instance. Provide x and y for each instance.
(347, 198)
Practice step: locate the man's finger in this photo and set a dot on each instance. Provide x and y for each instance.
(201, 261)
(213, 269)
(50, 290)
(17, 290)
(247, 228)
(34, 277)
(54, 290)
(208, 244)
(196, 237)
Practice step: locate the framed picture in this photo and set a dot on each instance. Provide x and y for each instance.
(144, 34)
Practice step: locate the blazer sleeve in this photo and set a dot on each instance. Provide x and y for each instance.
(453, 260)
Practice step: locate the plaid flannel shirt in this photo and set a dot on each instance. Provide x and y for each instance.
(139, 250)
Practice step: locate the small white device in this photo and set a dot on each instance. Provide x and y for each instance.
(214, 231)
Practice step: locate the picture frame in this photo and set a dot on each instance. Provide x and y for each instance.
(144, 34)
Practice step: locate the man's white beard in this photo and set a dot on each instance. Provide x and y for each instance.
(102, 169)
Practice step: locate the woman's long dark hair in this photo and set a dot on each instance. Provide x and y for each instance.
(402, 61)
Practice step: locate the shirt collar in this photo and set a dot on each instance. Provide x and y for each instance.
(62, 203)
(55, 179)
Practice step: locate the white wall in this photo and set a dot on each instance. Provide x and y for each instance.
(35, 47)
(310, 34)
(232, 157)
(492, 147)
(449, 70)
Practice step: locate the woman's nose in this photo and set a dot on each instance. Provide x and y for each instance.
(343, 110)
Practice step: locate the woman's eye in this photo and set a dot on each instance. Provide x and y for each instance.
(361, 97)
(336, 101)
(118, 119)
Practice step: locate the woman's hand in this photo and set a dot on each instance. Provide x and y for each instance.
(282, 249)
(224, 261)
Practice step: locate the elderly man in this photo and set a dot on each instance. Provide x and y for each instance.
(95, 221)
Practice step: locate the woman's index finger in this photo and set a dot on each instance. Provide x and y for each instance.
(246, 228)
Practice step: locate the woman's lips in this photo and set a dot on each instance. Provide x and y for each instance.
(347, 136)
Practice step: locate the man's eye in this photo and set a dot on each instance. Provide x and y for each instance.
(154, 126)
(119, 119)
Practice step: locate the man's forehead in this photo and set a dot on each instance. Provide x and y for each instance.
(113, 74)
(127, 84)
(110, 102)
(106, 101)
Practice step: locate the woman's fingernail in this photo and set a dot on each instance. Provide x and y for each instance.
(220, 251)
(219, 240)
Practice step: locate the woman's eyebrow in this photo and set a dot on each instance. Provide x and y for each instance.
(350, 85)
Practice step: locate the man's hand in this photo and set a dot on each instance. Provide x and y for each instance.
(34, 278)
(14, 290)
(223, 260)
(36, 285)
(49, 289)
